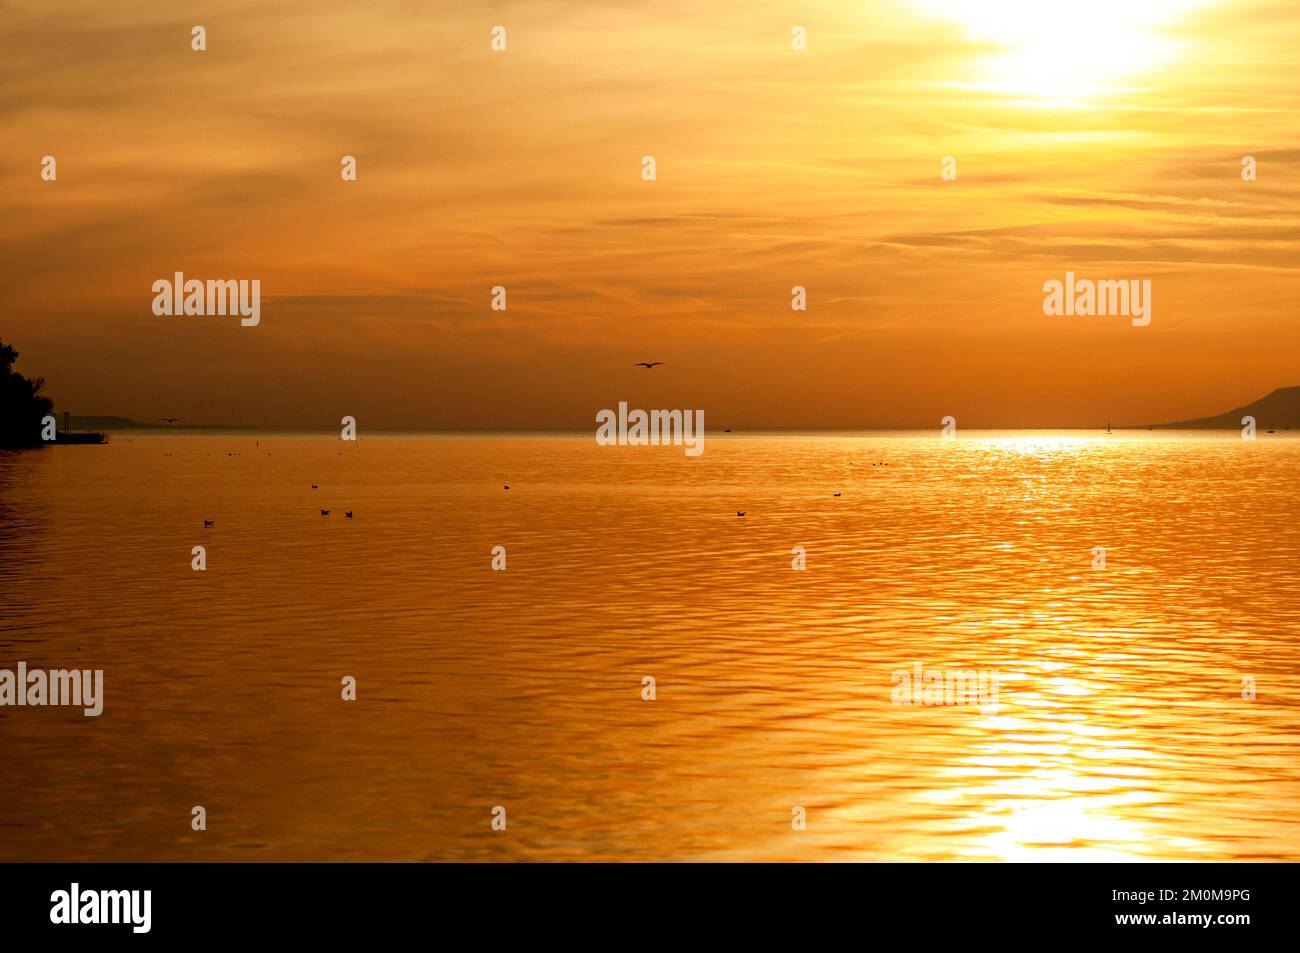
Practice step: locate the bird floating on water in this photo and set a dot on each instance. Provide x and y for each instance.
(837, 494)
(209, 522)
(324, 512)
(740, 512)
(348, 514)
(315, 487)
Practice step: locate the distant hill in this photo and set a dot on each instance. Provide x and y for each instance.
(1280, 409)
(102, 423)
(126, 423)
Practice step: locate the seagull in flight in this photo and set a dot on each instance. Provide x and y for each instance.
(647, 364)
(170, 420)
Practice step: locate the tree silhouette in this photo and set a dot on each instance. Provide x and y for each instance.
(22, 406)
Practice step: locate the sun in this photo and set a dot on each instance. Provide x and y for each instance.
(1065, 50)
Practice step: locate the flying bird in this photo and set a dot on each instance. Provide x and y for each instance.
(170, 420)
(647, 364)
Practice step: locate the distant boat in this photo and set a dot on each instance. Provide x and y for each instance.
(1108, 428)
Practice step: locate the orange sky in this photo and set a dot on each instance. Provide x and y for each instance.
(1101, 137)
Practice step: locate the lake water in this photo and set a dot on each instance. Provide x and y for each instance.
(1120, 729)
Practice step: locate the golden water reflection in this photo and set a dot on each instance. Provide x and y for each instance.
(1120, 731)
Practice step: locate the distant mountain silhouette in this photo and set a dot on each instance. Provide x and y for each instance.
(1280, 409)
(126, 423)
(104, 423)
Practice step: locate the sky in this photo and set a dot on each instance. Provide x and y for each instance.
(1099, 137)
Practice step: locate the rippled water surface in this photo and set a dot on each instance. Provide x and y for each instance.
(1120, 730)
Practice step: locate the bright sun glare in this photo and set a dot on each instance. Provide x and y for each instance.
(1065, 50)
